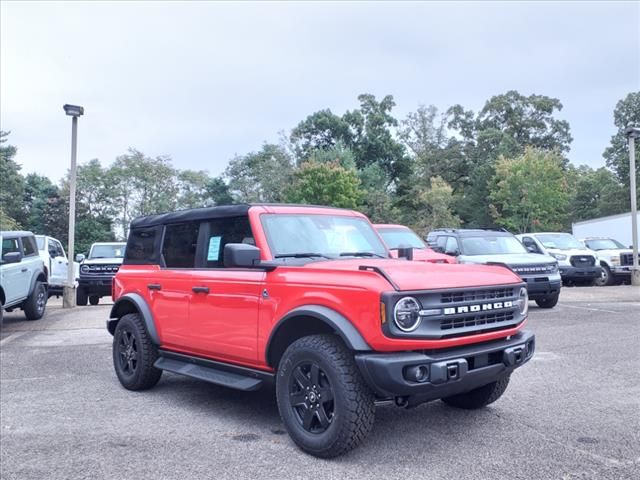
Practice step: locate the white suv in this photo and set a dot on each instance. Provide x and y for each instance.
(23, 282)
(55, 263)
(576, 262)
(615, 259)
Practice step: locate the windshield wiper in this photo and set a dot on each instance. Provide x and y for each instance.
(361, 254)
(301, 255)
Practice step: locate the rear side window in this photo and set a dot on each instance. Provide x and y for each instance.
(143, 246)
(220, 232)
(29, 246)
(10, 245)
(180, 243)
(440, 242)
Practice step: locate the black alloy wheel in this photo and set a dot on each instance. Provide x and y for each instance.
(127, 351)
(311, 397)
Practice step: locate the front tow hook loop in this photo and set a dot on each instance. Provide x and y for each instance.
(514, 355)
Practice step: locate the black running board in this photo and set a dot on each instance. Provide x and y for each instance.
(226, 375)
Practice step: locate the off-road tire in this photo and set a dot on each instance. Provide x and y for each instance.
(548, 302)
(34, 306)
(353, 409)
(81, 297)
(606, 279)
(143, 375)
(94, 299)
(479, 397)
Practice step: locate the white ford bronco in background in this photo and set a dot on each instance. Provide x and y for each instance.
(615, 259)
(23, 281)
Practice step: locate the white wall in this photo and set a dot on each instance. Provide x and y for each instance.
(617, 227)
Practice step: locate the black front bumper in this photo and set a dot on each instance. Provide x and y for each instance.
(96, 284)
(450, 371)
(540, 288)
(580, 273)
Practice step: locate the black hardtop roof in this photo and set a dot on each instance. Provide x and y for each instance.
(204, 213)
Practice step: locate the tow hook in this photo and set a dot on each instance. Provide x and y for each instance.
(401, 402)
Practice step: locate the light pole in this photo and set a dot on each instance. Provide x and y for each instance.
(69, 295)
(632, 134)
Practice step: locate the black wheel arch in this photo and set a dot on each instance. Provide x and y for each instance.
(133, 303)
(311, 320)
(40, 277)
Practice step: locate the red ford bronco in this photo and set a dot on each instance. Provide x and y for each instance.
(309, 299)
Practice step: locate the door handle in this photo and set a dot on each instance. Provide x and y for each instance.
(154, 286)
(200, 289)
(24, 270)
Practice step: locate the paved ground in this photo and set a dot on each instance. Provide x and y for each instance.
(572, 413)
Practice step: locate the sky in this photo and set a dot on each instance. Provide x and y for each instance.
(202, 82)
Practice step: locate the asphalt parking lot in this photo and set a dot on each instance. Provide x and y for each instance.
(572, 413)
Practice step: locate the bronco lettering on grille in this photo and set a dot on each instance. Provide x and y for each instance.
(483, 307)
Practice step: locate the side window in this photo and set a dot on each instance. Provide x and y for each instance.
(10, 245)
(440, 243)
(452, 245)
(222, 231)
(530, 244)
(179, 247)
(59, 250)
(143, 246)
(29, 246)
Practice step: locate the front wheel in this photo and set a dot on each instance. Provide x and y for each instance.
(479, 397)
(94, 299)
(81, 297)
(34, 305)
(323, 401)
(605, 278)
(548, 302)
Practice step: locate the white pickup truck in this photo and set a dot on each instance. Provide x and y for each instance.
(55, 263)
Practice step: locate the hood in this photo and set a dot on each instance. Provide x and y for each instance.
(615, 251)
(102, 261)
(426, 276)
(573, 251)
(510, 259)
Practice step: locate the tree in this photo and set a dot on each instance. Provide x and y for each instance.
(321, 130)
(260, 176)
(217, 192)
(595, 193)
(324, 184)
(45, 211)
(12, 187)
(192, 188)
(627, 112)
(378, 201)
(431, 207)
(530, 192)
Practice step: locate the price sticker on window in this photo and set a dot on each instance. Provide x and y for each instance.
(213, 253)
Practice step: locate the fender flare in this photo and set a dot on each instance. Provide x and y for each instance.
(122, 306)
(34, 279)
(343, 327)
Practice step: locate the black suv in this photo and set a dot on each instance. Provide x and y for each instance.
(501, 247)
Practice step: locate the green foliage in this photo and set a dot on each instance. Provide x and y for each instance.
(12, 186)
(378, 198)
(324, 184)
(530, 192)
(260, 176)
(321, 130)
(626, 113)
(431, 207)
(8, 223)
(46, 212)
(595, 193)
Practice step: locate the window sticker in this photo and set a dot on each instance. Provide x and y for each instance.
(214, 249)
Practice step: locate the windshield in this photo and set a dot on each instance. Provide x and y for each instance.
(400, 237)
(320, 235)
(115, 250)
(560, 241)
(498, 245)
(40, 242)
(604, 244)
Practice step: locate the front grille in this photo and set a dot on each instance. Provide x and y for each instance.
(583, 261)
(476, 320)
(534, 269)
(472, 295)
(99, 269)
(626, 259)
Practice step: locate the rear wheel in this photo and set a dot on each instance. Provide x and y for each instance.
(81, 297)
(34, 305)
(548, 302)
(480, 397)
(134, 354)
(324, 403)
(94, 299)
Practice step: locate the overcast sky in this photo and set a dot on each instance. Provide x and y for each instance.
(203, 81)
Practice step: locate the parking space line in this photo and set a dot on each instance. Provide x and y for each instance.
(590, 308)
(12, 337)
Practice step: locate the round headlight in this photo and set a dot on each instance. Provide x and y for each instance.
(406, 314)
(84, 269)
(523, 301)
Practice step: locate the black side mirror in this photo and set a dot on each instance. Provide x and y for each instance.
(405, 252)
(241, 255)
(453, 253)
(12, 257)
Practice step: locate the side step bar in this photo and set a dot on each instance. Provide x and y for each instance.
(231, 376)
